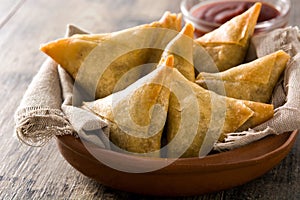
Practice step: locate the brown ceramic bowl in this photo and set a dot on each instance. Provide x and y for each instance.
(185, 176)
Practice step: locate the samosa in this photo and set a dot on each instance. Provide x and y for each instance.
(252, 81)
(103, 63)
(137, 114)
(182, 48)
(229, 43)
(262, 113)
(197, 118)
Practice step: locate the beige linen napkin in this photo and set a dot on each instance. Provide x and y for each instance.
(47, 107)
(39, 116)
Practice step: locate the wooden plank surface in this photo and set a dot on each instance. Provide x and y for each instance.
(7, 10)
(42, 173)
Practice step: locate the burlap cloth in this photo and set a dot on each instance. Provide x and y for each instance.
(46, 109)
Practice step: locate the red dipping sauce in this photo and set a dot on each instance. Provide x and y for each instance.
(221, 12)
(207, 15)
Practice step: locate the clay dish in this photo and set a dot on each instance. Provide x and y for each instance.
(185, 176)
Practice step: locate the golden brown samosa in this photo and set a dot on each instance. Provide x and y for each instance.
(137, 114)
(104, 59)
(262, 113)
(182, 49)
(197, 117)
(252, 81)
(229, 43)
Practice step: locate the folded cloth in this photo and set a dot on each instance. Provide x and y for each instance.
(39, 116)
(47, 108)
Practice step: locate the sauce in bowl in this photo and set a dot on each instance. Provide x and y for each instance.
(223, 11)
(206, 15)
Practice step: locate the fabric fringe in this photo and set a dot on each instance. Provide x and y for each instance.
(36, 125)
(237, 140)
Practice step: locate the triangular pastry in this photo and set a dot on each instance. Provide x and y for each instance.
(137, 114)
(252, 81)
(197, 117)
(229, 43)
(102, 68)
(262, 113)
(182, 49)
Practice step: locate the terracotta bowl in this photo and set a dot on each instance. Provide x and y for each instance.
(183, 177)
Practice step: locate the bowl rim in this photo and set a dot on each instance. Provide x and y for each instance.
(284, 143)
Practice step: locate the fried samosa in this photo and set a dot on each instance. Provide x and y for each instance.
(252, 81)
(182, 49)
(137, 114)
(262, 113)
(103, 59)
(213, 116)
(229, 43)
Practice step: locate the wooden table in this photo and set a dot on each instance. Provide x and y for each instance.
(42, 173)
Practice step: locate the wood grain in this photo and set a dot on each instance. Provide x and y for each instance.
(8, 9)
(42, 173)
